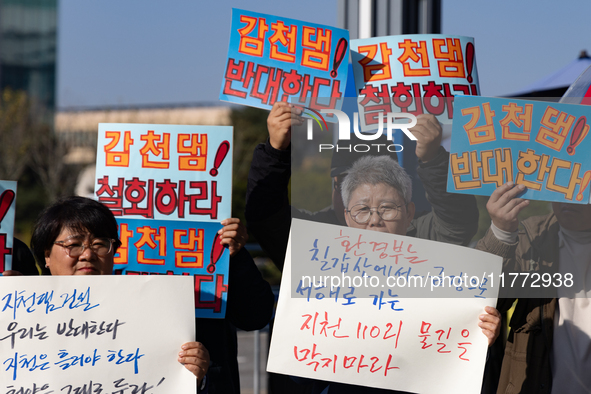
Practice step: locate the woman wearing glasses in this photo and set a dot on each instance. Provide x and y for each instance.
(377, 195)
(78, 236)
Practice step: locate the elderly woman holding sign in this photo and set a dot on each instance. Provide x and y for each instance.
(377, 196)
(78, 236)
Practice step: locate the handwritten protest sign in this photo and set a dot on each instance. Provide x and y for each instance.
(272, 58)
(538, 144)
(7, 211)
(382, 339)
(412, 73)
(169, 186)
(75, 335)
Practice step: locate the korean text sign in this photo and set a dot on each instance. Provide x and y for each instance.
(272, 58)
(541, 145)
(168, 172)
(380, 340)
(76, 335)
(167, 247)
(7, 211)
(169, 186)
(412, 73)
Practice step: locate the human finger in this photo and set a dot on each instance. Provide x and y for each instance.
(229, 231)
(11, 273)
(279, 106)
(283, 111)
(195, 355)
(196, 370)
(490, 336)
(233, 228)
(229, 221)
(491, 310)
(504, 199)
(194, 352)
(427, 121)
(284, 119)
(231, 236)
(430, 120)
(490, 323)
(509, 203)
(512, 194)
(428, 134)
(518, 207)
(501, 191)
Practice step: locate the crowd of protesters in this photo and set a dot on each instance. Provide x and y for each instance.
(548, 348)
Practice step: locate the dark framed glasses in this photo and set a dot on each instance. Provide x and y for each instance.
(387, 211)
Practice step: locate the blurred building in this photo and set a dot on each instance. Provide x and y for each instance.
(78, 128)
(28, 38)
(377, 18)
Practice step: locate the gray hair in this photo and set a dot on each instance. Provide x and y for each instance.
(373, 170)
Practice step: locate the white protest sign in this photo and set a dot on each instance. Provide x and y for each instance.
(381, 339)
(109, 334)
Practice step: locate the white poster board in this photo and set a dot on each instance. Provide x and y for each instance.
(380, 340)
(67, 334)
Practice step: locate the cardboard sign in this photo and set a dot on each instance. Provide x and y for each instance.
(272, 58)
(169, 186)
(417, 73)
(381, 339)
(7, 212)
(67, 334)
(541, 145)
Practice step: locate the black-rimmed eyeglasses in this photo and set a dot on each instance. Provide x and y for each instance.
(361, 213)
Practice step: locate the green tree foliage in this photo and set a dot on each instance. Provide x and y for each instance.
(32, 155)
(15, 136)
(47, 161)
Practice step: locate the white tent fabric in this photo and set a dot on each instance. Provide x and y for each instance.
(580, 91)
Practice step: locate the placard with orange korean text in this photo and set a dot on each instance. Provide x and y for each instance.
(169, 172)
(170, 186)
(382, 310)
(416, 73)
(177, 247)
(272, 58)
(542, 145)
(7, 212)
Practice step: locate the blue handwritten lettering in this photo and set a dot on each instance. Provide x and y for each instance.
(21, 300)
(121, 358)
(82, 360)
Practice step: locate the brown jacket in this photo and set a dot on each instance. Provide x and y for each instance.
(526, 364)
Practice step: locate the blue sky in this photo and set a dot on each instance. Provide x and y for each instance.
(154, 52)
